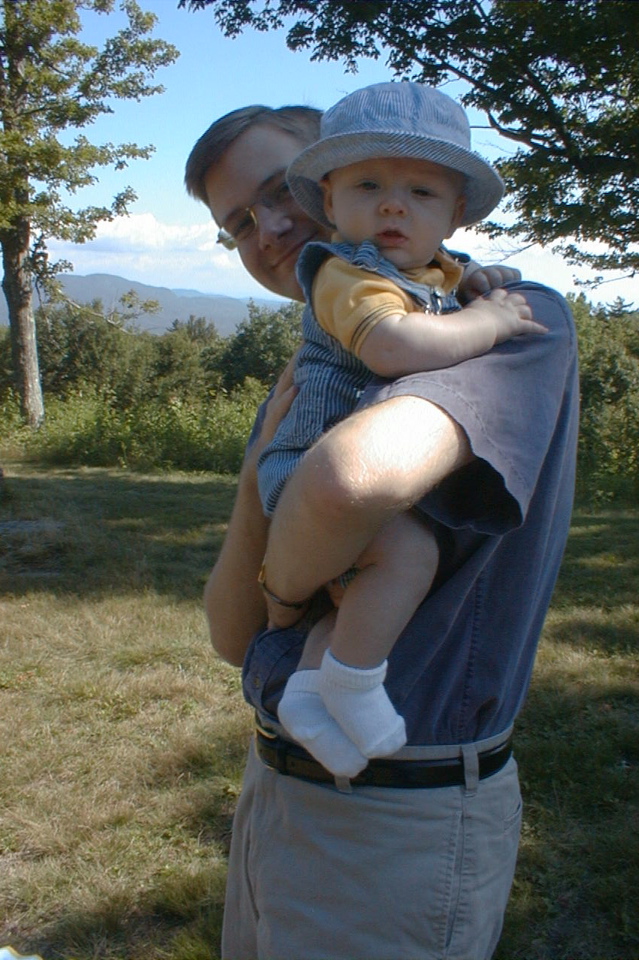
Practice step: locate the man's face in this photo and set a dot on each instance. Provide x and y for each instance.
(406, 207)
(252, 166)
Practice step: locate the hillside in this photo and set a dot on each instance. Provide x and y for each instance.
(225, 312)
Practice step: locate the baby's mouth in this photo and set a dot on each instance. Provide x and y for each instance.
(391, 235)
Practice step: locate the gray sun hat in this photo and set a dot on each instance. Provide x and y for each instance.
(395, 120)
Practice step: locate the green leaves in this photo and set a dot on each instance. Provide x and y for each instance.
(560, 80)
(50, 82)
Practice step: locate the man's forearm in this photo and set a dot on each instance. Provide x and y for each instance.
(368, 468)
(234, 602)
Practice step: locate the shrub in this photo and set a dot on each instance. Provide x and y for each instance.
(86, 430)
(609, 386)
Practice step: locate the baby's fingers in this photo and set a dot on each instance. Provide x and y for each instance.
(525, 314)
(531, 326)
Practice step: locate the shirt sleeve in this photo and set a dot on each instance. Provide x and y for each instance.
(348, 302)
(509, 403)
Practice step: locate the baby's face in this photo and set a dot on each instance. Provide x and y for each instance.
(406, 207)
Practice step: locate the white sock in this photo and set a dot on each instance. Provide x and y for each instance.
(304, 716)
(356, 698)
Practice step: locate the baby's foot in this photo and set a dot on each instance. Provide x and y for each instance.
(303, 715)
(357, 700)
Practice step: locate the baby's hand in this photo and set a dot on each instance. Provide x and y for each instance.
(478, 281)
(509, 314)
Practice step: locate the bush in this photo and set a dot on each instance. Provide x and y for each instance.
(609, 386)
(84, 430)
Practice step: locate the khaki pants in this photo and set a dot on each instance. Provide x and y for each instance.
(377, 874)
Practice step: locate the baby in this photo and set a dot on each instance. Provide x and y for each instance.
(394, 174)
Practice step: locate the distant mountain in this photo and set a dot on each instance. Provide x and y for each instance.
(225, 312)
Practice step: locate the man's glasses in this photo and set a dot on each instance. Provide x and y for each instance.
(242, 224)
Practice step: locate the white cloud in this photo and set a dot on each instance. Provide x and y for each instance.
(142, 248)
(543, 266)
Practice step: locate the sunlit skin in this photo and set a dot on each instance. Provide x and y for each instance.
(257, 160)
(407, 207)
(260, 155)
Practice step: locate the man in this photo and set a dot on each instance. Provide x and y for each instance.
(415, 859)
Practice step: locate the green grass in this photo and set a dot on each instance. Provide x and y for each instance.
(123, 736)
(575, 893)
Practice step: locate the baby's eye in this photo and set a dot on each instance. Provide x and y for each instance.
(367, 185)
(421, 192)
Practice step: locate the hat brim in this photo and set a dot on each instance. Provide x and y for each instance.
(483, 191)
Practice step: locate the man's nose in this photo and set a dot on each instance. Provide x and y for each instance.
(272, 223)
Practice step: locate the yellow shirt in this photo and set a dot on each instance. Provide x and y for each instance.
(348, 301)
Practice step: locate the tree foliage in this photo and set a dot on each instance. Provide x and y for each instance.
(116, 396)
(84, 348)
(179, 370)
(51, 82)
(187, 398)
(558, 79)
(609, 390)
(263, 344)
(81, 348)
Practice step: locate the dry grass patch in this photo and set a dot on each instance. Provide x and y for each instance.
(575, 892)
(123, 737)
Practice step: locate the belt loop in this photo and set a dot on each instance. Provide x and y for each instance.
(471, 767)
(343, 784)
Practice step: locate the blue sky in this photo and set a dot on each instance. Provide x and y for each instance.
(169, 239)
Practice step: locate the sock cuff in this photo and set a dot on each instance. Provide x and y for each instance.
(354, 678)
(303, 681)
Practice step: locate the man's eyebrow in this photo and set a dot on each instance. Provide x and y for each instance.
(264, 185)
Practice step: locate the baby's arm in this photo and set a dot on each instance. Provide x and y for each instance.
(404, 344)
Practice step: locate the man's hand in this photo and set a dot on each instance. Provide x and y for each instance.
(368, 467)
(280, 617)
(281, 613)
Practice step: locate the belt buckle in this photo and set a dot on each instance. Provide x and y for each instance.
(278, 746)
(269, 734)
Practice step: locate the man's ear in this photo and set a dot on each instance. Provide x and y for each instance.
(458, 215)
(327, 191)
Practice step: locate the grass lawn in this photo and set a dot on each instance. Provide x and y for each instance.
(122, 736)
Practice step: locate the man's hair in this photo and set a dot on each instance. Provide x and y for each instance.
(300, 122)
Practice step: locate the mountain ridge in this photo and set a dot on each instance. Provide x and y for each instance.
(225, 312)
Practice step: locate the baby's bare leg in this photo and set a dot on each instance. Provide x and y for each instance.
(396, 572)
(317, 642)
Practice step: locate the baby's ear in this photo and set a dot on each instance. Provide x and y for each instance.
(458, 215)
(327, 191)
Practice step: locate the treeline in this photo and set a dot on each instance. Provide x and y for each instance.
(608, 463)
(115, 396)
(187, 399)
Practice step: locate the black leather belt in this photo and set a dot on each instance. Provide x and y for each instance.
(294, 761)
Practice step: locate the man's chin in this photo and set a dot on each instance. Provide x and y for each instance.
(286, 287)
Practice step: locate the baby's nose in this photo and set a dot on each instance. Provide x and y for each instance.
(392, 203)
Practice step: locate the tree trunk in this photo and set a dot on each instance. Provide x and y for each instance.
(18, 291)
